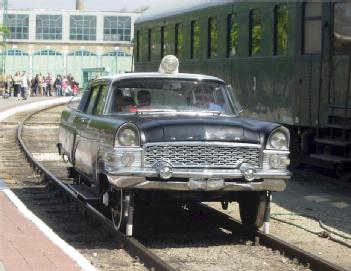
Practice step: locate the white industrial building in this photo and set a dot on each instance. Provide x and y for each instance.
(78, 42)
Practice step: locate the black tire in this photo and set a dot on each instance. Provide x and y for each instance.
(252, 206)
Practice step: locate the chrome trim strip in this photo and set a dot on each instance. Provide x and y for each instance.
(141, 183)
(205, 143)
(277, 152)
(202, 173)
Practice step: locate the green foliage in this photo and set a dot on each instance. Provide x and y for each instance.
(234, 35)
(196, 39)
(256, 32)
(3, 32)
(282, 29)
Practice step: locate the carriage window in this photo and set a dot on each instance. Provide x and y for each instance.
(281, 30)
(179, 40)
(195, 39)
(233, 27)
(149, 44)
(164, 41)
(255, 32)
(342, 28)
(99, 109)
(92, 99)
(212, 37)
(138, 46)
(312, 28)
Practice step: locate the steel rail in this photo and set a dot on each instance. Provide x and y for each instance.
(130, 244)
(312, 261)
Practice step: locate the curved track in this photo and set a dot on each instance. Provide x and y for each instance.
(199, 238)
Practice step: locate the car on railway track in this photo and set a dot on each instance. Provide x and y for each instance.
(172, 136)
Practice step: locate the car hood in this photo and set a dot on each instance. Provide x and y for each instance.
(168, 128)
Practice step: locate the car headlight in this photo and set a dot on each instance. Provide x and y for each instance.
(279, 139)
(127, 136)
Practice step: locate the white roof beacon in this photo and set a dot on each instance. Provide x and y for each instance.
(169, 65)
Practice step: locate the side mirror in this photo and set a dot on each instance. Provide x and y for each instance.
(234, 100)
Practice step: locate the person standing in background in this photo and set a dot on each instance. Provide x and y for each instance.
(24, 85)
(40, 84)
(17, 85)
(35, 85)
(48, 84)
(58, 86)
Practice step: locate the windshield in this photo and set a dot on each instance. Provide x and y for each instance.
(169, 95)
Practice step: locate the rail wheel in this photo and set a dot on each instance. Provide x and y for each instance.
(119, 205)
(252, 206)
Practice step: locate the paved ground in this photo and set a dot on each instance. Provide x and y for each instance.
(24, 247)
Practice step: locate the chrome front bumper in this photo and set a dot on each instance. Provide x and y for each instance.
(200, 180)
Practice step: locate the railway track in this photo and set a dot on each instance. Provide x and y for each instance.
(84, 225)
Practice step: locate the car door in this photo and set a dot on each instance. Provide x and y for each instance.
(96, 127)
(83, 155)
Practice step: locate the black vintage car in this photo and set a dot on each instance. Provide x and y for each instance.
(176, 135)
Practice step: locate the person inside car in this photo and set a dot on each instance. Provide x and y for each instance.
(144, 98)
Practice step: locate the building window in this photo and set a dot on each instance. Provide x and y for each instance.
(117, 28)
(195, 39)
(47, 52)
(281, 30)
(255, 32)
(233, 35)
(16, 52)
(82, 27)
(312, 27)
(149, 44)
(212, 38)
(342, 28)
(179, 40)
(18, 25)
(81, 53)
(48, 27)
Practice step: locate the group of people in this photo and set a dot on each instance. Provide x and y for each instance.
(21, 87)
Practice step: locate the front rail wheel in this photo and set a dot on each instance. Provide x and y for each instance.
(119, 209)
(252, 206)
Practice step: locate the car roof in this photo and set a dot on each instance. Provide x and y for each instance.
(157, 75)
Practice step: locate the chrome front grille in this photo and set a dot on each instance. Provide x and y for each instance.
(202, 155)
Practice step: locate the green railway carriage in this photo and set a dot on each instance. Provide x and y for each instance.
(288, 61)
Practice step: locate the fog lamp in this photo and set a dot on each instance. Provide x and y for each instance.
(248, 171)
(127, 159)
(164, 169)
(277, 161)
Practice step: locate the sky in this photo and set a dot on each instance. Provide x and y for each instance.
(115, 5)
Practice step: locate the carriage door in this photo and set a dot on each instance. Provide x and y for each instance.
(339, 94)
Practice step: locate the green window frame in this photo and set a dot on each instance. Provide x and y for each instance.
(212, 38)
(195, 40)
(255, 32)
(178, 40)
(233, 35)
(48, 27)
(138, 44)
(18, 24)
(82, 27)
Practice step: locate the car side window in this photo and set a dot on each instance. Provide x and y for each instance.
(99, 109)
(92, 99)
